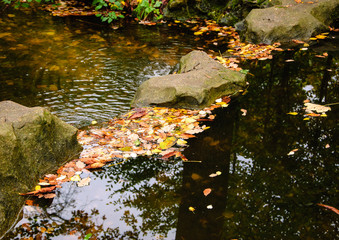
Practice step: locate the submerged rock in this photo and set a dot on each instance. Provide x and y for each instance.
(32, 142)
(199, 82)
(282, 23)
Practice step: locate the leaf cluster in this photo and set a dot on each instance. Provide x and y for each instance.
(111, 6)
(148, 8)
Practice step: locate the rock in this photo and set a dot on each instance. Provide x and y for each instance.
(200, 81)
(32, 142)
(282, 23)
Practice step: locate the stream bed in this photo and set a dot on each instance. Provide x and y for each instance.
(82, 72)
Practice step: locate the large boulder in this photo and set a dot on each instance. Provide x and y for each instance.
(32, 142)
(289, 20)
(199, 82)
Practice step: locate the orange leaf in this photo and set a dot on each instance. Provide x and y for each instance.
(329, 207)
(207, 191)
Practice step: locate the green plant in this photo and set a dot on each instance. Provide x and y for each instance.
(112, 6)
(148, 8)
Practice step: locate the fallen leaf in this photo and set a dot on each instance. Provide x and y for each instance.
(292, 151)
(244, 112)
(292, 113)
(80, 165)
(75, 178)
(95, 165)
(84, 182)
(192, 209)
(169, 142)
(316, 108)
(196, 177)
(49, 195)
(329, 207)
(207, 191)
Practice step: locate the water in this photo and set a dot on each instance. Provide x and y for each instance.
(261, 193)
(80, 70)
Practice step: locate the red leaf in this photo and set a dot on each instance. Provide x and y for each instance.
(207, 191)
(139, 112)
(168, 155)
(329, 207)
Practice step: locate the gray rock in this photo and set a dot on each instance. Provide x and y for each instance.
(32, 143)
(288, 21)
(199, 82)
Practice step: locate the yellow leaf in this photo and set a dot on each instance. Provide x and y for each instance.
(37, 187)
(192, 209)
(176, 21)
(313, 38)
(75, 178)
(198, 33)
(306, 119)
(293, 113)
(94, 122)
(181, 142)
(190, 120)
(321, 36)
(156, 151)
(169, 142)
(323, 115)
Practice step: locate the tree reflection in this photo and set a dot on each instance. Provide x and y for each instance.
(271, 194)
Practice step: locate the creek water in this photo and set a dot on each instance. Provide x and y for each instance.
(82, 72)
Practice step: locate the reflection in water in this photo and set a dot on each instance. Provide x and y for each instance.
(213, 149)
(262, 193)
(81, 71)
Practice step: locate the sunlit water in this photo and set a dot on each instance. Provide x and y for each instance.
(84, 73)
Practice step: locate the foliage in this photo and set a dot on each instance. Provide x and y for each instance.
(148, 8)
(112, 5)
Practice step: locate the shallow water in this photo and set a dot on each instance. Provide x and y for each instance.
(261, 193)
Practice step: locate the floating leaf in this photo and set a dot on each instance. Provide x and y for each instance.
(329, 207)
(75, 178)
(169, 142)
(96, 165)
(181, 142)
(192, 209)
(88, 236)
(316, 107)
(207, 191)
(292, 151)
(84, 182)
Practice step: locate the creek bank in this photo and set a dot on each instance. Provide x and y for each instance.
(200, 80)
(32, 142)
(288, 20)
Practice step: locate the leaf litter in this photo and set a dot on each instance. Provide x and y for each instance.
(149, 131)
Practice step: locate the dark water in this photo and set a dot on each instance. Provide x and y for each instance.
(84, 73)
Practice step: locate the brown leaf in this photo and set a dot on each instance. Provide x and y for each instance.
(88, 161)
(207, 191)
(329, 207)
(49, 195)
(168, 155)
(139, 112)
(95, 165)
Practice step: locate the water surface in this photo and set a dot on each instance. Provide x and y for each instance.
(83, 72)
